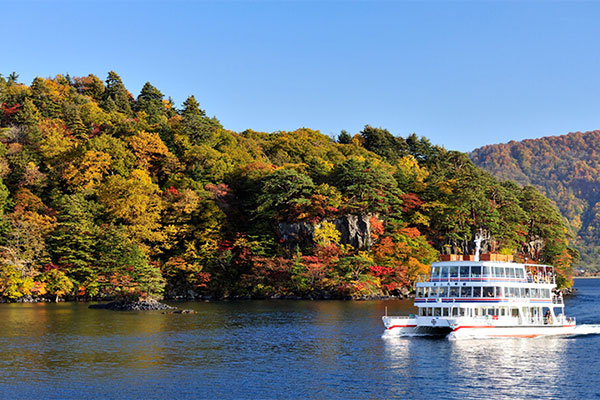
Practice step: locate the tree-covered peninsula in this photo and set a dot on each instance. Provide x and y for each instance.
(104, 194)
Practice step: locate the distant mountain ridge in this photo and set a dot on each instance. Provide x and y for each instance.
(566, 169)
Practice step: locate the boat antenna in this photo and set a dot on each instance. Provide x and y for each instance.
(478, 240)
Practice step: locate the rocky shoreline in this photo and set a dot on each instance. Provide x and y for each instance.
(144, 305)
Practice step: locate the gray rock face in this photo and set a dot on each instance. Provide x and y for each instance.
(354, 230)
(298, 233)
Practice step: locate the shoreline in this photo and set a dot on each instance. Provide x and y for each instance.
(206, 299)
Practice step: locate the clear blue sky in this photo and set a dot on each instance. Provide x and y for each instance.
(463, 74)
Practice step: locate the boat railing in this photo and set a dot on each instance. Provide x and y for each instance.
(540, 278)
(532, 320)
(564, 320)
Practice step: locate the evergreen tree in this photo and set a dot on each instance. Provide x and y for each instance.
(12, 78)
(73, 243)
(45, 100)
(29, 115)
(150, 101)
(197, 126)
(125, 268)
(344, 137)
(116, 96)
(191, 108)
(74, 122)
(381, 141)
(282, 191)
(367, 188)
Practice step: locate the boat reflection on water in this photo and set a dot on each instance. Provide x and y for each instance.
(508, 368)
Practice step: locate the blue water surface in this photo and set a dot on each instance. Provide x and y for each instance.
(281, 350)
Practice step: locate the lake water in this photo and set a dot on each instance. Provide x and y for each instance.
(280, 350)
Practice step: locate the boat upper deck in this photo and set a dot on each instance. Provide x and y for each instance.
(489, 271)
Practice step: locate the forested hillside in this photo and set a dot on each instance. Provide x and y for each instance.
(566, 169)
(104, 194)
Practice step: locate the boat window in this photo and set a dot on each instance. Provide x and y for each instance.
(435, 271)
(464, 272)
(484, 311)
(454, 291)
(511, 272)
(476, 271)
(499, 272)
(437, 311)
(503, 311)
(429, 311)
(422, 312)
(462, 312)
(455, 311)
(444, 272)
(486, 271)
(546, 293)
(514, 312)
(465, 292)
(433, 292)
(453, 272)
(443, 291)
(476, 312)
(488, 291)
(534, 293)
(507, 292)
(477, 291)
(419, 292)
(498, 291)
(445, 312)
(520, 273)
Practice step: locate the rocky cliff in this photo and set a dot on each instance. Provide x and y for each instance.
(354, 230)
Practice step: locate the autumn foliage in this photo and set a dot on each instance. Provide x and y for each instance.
(104, 194)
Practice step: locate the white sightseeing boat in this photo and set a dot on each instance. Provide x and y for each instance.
(485, 299)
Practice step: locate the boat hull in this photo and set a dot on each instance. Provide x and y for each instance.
(493, 331)
(407, 326)
(455, 329)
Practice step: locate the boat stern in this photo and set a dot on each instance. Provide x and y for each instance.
(400, 325)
